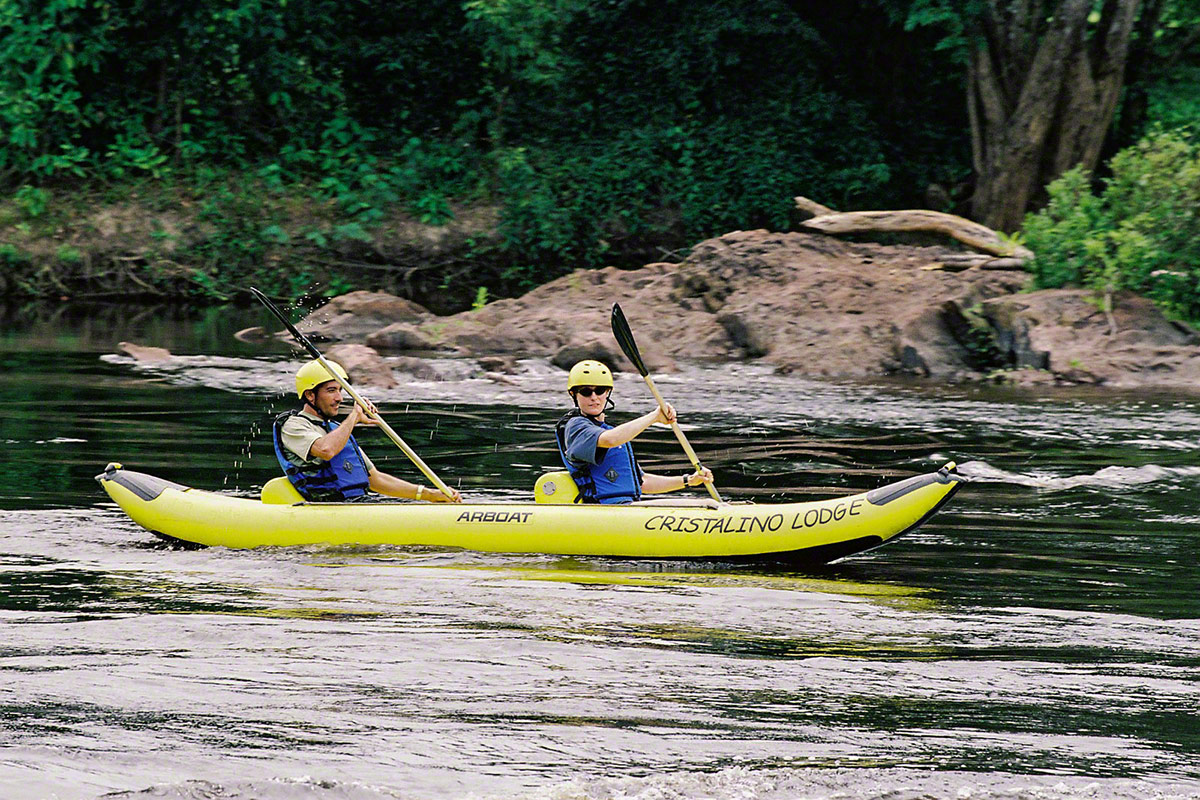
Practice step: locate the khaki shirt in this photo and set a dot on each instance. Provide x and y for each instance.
(299, 432)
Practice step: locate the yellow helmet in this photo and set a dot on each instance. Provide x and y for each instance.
(589, 373)
(313, 374)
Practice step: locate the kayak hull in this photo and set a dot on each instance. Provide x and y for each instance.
(817, 531)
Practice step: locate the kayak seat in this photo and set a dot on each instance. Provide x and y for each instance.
(280, 492)
(556, 488)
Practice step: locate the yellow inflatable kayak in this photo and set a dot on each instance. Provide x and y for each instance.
(817, 531)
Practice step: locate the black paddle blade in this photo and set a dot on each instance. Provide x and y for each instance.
(297, 335)
(624, 337)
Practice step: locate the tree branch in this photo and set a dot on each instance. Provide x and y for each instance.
(964, 230)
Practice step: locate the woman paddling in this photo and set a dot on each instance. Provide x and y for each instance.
(599, 456)
(321, 459)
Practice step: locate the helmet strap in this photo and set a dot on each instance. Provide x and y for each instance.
(312, 404)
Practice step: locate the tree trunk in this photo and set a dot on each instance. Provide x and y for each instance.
(1041, 97)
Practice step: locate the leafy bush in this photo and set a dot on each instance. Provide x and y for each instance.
(32, 200)
(1142, 232)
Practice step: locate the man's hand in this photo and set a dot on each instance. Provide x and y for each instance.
(703, 476)
(435, 496)
(666, 414)
(360, 414)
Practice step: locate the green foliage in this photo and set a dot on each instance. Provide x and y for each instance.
(68, 255)
(132, 153)
(606, 133)
(274, 234)
(12, 256)
(235, 249)
(1058, 234)
(1173, 101)
(32, 200)
(337, 285)
(14, 269)
(953, 19)
(433, 209)
(1142, 232)
(108, 88)
(624, 152)
(481, 298)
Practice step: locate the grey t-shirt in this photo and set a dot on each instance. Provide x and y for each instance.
(299, 432)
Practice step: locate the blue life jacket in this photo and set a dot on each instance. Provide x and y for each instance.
(616, 478)
(341, 478)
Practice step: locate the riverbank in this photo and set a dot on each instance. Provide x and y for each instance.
(205, 241)
(804, 303)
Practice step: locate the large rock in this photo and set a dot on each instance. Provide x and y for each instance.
(810, 304)
(745, 332)
(606, 353)
(144, 353)
(802, 302)
(605, 350)
(356, 315)
(364, 365)
(419, 369)
(574, 311)
(400, 336)
(1065, 332)
(503, 364)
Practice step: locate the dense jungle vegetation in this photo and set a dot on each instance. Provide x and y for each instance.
(288, 143)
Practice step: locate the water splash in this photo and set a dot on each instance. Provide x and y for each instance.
(1112, 477)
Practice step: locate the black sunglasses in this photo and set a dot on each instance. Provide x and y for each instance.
(588, 391)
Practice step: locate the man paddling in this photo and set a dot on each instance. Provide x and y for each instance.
(321, 459)
(599, 456)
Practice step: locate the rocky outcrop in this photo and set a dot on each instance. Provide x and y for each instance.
(363, 364)
(354, 316)
(400, 336)
(1064, 332)
(802, 302)
(807, 304)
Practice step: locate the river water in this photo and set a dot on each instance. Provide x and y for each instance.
(1039, 638)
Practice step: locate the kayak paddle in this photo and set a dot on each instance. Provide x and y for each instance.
(624, 336)
(387, 429)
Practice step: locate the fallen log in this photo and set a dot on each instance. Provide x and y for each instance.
(957, 262)
(980, 237)
(1004, 263)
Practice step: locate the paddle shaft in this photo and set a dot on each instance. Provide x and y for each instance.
(383, 426)
(687, 447)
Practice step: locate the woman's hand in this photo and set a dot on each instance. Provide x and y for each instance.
(666, 414)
